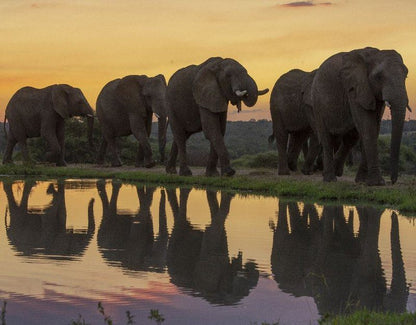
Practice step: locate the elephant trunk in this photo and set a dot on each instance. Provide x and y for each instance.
(162, 129)
(398, 114)
(90, 128)
(251, 96)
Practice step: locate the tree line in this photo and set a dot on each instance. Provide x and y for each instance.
(245, 140)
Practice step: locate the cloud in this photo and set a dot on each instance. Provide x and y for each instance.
(296, 4)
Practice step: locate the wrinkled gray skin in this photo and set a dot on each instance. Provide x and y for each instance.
(42, 112)
(291, 112)
(349, 92)
(198, 97)
(126, 106)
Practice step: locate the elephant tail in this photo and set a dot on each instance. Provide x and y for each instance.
(271, 138)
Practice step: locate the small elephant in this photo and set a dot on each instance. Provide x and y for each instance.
(42, 112)
(349, 92)
(291, 112)
(198, 97)
(125, 106)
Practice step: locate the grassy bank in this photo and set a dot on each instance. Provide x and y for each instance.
(365, 317)
(400, 196)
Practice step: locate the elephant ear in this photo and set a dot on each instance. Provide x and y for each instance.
(354, 77)
(129, 89)
(207, 91)
(306, 88)
(60, 101)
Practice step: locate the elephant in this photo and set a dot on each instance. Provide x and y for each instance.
(126, 106)
(127, 239)
(349, 94)
(33, 112)
(291, 112)
(42, 231)
(199, 260)
(340, 269)
(198, 97)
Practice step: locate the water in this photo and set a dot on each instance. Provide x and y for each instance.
(199, 257)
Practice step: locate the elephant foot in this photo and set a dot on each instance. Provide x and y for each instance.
(361, 176)
(307, 171)
(99, 161)
(375, 182)
(375, 179)
(212, 172)
(293, 166)
(185, 171)
(339, 171)
(150, 164)
(116, 164)
(7, 161)
(61, 163)
(171, 170)
(285, 171)
(227, 171)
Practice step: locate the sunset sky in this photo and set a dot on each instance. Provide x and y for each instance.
(87, 43)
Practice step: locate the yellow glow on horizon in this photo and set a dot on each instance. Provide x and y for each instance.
(87, 44)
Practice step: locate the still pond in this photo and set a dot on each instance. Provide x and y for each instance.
(197, 256)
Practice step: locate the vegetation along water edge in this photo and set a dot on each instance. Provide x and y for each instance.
(400, 196)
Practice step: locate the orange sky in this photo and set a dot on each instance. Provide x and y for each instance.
(86, 43)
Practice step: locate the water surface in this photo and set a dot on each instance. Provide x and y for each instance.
(198, 256)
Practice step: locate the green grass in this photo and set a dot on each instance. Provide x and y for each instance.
(365, 317)
(398, 197)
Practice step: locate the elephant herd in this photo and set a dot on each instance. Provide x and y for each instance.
(330, 109)
(318, 254)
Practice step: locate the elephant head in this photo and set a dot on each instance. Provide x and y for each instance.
(220, 81)
(154, 90)
(372, 77)
(68, 101)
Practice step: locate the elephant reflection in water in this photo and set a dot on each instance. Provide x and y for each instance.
(199, 260)
(323, 259)
(43, 231)
(128, 238)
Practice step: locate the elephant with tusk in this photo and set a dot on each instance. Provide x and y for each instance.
(198, 97)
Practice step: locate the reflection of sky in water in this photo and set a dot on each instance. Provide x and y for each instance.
(47, 284)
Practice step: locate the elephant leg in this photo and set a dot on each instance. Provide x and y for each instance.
(328, 158)
(25, 152)
(362, 171)
(313, 152)
(113, 148)
(101, 151)
(213, 128)
(348, 141)
(11, 142)
(282, 137)
(138, 128)
(140, 156)
(295, 146)
(171, 163)
(212, 163)
(60, 134)
(54, 149)
(369, 136)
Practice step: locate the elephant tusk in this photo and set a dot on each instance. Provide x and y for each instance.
(409, 108)
(157, 115)
(90, 115)
(387, 104)
(241, 93)
(263, 92)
